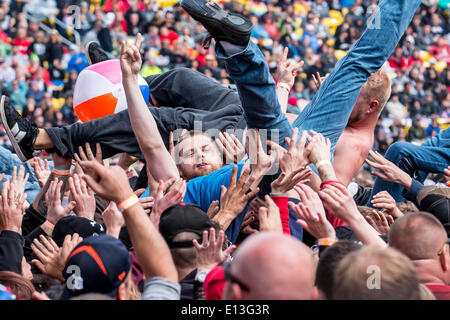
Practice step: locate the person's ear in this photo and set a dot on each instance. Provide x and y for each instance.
(121, 292)
(318, 294)
(236, 291)
(444, 259)
(373, 106)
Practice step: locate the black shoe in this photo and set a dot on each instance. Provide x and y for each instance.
(20, 131)
(221, 25)
(95, 53)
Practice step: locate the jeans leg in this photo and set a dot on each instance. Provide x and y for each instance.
(257, 89)
(425, 159)
(183, 87)
(330, 109)
(8, 160)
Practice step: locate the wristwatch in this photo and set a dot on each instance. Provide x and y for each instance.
(201, 276)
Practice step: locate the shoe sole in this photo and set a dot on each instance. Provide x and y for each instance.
(86, 49)
(221, 22)
(9, 133)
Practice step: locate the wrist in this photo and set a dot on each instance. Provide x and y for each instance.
(123, 195)
(11, 228)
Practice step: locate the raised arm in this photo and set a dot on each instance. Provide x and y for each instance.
(151, 250)
(159, 162)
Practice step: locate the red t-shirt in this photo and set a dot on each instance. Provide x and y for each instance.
(172, 36)
(440, 291)
(22, 44)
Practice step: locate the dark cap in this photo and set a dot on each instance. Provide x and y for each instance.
(99, 264)
(74, 224)
(183, 217)
(439, 206)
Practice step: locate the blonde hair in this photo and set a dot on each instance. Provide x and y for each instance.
(398, 279)
(378, 87)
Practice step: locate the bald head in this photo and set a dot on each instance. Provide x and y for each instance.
(418, 235)
(273, 266)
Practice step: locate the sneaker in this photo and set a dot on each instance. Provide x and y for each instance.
(221, 25)
(20, 131)
(95, 53)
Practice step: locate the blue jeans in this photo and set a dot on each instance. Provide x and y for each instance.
(330, 109)
(433, 156)
(8, 160)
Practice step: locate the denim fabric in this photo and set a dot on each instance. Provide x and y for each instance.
(8, 160)
(433, 156)
(330, 109)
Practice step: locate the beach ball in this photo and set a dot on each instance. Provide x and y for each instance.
(99, 92)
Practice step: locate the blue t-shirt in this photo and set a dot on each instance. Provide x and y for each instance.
(205, 189)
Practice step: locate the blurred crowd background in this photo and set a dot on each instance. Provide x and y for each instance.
(42, 52)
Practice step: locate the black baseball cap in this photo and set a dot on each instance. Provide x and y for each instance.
(439, 206)
(99, 264)
(74, 224)
(183, 217)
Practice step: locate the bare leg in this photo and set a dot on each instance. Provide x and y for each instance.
(43, 141)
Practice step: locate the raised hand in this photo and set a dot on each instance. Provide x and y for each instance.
(210, 253)
(110, 183)
(165, 200)
(337, 200)
(231, 147)
(213, 209)
(55, 210)
(41, 172)
(52, 259)
(383, 200)
(311, 213)
(89, 155)
(261, 163)
(447, 171)
(389, 171)
(11, 208)
(269, 217)
(285, 182)
(295, 156)
(318, 148)
(130, 58)
(287, 70)
(318, 80)
(83, 197)
(234, 199)
(19, 180)
(113, 220)
(380, 222)
(249, 219)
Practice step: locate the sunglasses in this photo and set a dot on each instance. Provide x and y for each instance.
(232, 279)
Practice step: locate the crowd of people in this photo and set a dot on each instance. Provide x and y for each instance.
(143, 205)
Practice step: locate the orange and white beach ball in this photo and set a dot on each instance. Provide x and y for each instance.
(99, 91)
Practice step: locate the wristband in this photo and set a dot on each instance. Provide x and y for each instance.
(322, 163)
(284, 86)
(61, 172)
(49, 225)
(330, 182)
(127, 203)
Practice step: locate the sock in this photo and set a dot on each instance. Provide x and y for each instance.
(230, 48)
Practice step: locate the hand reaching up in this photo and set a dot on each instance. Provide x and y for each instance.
(83, 197)
(130, 58)
(210, 253)
(55, 210)
(311, 213)
(388, 170)
(11, 208)
(269, 217)
(41, 171)
(287, 70)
